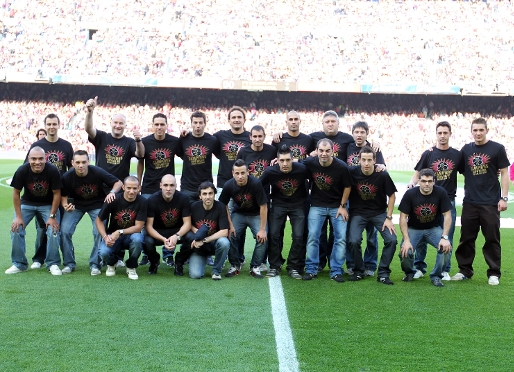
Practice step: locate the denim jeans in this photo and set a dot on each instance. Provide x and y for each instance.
(69, 223)
(431, 236)
(316, 218)
(421, 249)
(41, 212)
(371, 251)
(357, 226)
(165, 253)
(132, 242)
(198, 259)
(241, 222)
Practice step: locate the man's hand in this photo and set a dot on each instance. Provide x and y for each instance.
(277, 137)
(342, 212)
(380, 167)
(261, 236)
(171, 242)
(184, 132)
(375, 146)
(445, 246)
(405, 249)
(137, 134)
(54, 224)
(109, 240)
(196, 244)
(389, 225)
(68, 207)
(502, 205)
(110, 197)
(411, 185)
(16, 223)
(231, 231)
(91, 104)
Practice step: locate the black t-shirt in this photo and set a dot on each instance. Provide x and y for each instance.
(228, 146)
(287, 189)
(480, 166)
(352, 159)
(113, 154)
(216, 217)
(88, 191)
(424, 210)
(167, 216)
(445, 164)
(196, 152)
(38, 187)
(369, 194)
(59, 153)
(301, 146)
(328, 183)
(257, 161)
(123, 214)
(248, 198)
(341, 141)
(159, 161)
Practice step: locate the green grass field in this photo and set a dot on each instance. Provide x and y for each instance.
(168, 323)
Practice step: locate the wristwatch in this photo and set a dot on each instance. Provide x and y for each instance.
(505, 198)
(120, 232)
(53, 215)
(389, 218)
(445, 237)
(178, 236)
(344, 205)
(204, 241)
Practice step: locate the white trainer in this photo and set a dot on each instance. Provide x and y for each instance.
(446, 276)
(54, 270)
(14, 270)
(120, 263)
(95, 271)
(419, 274)
(66, 270)
(263, 267)
(36, 265)
(111, 271)
(132, 274)
(494, 280)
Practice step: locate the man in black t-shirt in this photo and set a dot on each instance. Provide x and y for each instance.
(41, 183)
(168, 220)
(301, 144)
(371, 201)
(484, 199)
(208, 236)
(421, 208)
(258, 155)
(83, 192)
(444, 161)
(126, 217)
(251, 211)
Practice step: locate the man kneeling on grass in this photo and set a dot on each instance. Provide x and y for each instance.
(127, 216)
(421, 208)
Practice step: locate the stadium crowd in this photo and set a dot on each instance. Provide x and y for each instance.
(458, 43)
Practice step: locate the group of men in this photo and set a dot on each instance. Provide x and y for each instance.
(325, 179)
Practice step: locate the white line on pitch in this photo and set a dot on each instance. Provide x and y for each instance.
(287, 361)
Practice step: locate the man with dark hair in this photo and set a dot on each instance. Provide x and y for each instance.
(196, 149)
(41, 183)
(444, 161)
(288, 195)
(258, 155)
(208, 235)
(251, 211)
(371, 201)
(301, 144)
(83, 192)
(421, 208)
(329, 194)
(126, 217)
(484, 199)
(168, 220)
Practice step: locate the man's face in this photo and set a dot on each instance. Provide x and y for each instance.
(360, 136)
(443, 135)
(367, 163)
(236, 120)
(426, 184)
(130, 190)
(257, 138)
(330, 125)
(285, 162)
(240, 175)
(52, 126)
(198, 125)
(80, 164)
(207, 196)
(159, 127)
(479, 132)
(325, 153)
(37, 160)
(168, 187)
(118, 125)
(293, 122)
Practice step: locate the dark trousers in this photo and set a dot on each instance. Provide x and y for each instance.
(475, 217)
(325, 244)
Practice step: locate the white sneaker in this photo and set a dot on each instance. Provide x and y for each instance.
(419, 274)
(67, 270)
(349, 271)
(120, 263)
(54, 270)
(132, 274)
(95, 271)
(14, 270)
(36, 265)
(216, 277)
(459, 276)
(446, 276)
(111, 271)
(494, 280)
(263, 267)
(369, 273)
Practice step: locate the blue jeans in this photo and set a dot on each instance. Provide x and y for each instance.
(371, 252)
(421, 249)
(431, 236)
(198, 261)
(316, 218)
(241, 222)
(69, 223)
(357, 226)
(41, 212)
(132, 242)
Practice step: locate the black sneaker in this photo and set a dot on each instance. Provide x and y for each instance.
(232, 271)
(153, 269)
(179, 270)
(169, 261)
(272, 273)
(385, 280)
(437, 282)
(256, 272)
(355, 277)
(309, 276)
(408, 278)
(338, 278)
(144, 260)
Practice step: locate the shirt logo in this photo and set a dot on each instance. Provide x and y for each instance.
(322, 181)
(170, 217)
(244, 200)
(425, 212)
(231, 148)
(39, 188)
(125, 218)
(443, 169)
(353, 160)
(298, 151)
(367, 191)
(160, 158)
(213, 226)
(287, 187)
(56, 158)
(478, 163)
(197, 154)
(114, 154)
(256, 168)
(87, 191)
